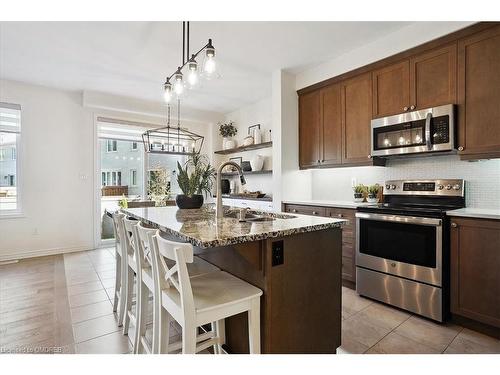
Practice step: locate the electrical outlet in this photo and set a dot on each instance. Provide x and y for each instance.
(277, 253)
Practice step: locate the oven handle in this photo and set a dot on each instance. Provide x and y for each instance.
(401, 219)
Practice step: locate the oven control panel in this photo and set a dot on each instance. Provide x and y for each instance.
(449, 187)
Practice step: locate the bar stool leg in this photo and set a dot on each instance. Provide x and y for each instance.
(254, 326)
(118, 278)
(129, 288)
(189, 339)
(220, 329)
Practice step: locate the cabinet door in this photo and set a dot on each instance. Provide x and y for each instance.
(391, 89)
(309, 129)
(475, 261)
(479, 94)
(433, 78)
(356, 118)
(332, 125)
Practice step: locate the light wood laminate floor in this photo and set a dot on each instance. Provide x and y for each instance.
(62, 304)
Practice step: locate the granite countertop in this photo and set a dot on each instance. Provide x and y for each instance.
(200, 227)
(481, 213)
(328, 203)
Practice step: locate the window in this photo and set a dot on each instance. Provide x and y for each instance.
(133, 146)
(10, 134)
(133, 177)
(111, 145)
(111, 178)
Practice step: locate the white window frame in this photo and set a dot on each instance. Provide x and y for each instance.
(18, 211)
(132, 177)
(114, 144)
(132, 146)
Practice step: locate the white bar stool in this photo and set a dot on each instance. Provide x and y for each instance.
(119, 295)
(139, 240)
(196, 301)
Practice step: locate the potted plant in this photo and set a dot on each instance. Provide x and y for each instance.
(359, 193)
(195, 179)
(372, 193)
(228, 131)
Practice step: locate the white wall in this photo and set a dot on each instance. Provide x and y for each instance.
(255, 113)
(56, 150)
(58, 179)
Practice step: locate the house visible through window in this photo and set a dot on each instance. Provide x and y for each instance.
(111, 178)
(10, 135)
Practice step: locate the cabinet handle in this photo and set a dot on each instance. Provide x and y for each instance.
(405, 109)
(412, 107)
(340, 215)
(369, 156)
(460, 148)
(454, 225)
(294, 210)
(318, 161)
(315, 213)
(323, 160)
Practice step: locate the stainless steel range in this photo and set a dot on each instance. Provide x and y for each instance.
(402, 245)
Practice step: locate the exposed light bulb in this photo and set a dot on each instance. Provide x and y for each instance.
(209, 66)
(178, 84)
(418, 138)
(401, 141)
(193, 71)
(167, 93)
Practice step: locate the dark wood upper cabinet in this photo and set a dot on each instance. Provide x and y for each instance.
(356, 118)
(475, 261)
(479, 95)
(309, 129)
(433, 78)
(331, 141)
(391, 89)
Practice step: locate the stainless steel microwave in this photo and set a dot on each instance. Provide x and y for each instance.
(427, 130)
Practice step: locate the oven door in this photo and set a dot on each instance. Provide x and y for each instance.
(406, 246)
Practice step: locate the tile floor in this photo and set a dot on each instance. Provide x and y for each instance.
(63, 304)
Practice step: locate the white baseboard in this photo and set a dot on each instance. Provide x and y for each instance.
(43, 252)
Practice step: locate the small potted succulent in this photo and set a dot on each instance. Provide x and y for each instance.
(372, 193)
(195, 179)
(359, 193)
(227, 130)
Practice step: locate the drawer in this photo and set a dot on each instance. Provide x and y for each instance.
(305, 210)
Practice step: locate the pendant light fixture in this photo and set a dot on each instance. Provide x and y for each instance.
(172, 140)
(176, 82)
(175, 140)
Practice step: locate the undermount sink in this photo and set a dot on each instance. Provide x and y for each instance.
(250, 216)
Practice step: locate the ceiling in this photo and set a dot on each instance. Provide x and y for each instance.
(133, 58)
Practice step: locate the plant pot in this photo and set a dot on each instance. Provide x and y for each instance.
(372, 198)
(358, 197)
(187, 202)
(228, 143)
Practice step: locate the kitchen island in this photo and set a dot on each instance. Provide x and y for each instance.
(294, 259)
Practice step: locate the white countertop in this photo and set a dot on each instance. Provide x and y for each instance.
(481, 213)
(338, 204)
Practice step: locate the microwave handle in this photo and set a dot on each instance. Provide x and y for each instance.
(428, 131)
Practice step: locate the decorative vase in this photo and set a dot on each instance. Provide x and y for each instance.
(257, 136)
(257, 162)
(358, 197)
(189, 202)
(372, 198)
(228, 143)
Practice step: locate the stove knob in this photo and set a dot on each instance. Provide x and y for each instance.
(388, 187)
(440, 187)
(393, 187)
(456, 187)
(448, 187)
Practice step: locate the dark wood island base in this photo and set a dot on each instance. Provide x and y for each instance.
(301, 281)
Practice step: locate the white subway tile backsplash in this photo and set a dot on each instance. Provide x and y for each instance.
(482, 177)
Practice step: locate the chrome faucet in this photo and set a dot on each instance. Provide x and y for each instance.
(219, 211)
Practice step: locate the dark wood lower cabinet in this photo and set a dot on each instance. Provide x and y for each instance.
(348, 234)
(475, 269)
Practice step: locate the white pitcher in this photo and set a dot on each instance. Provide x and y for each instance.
(257, 162)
